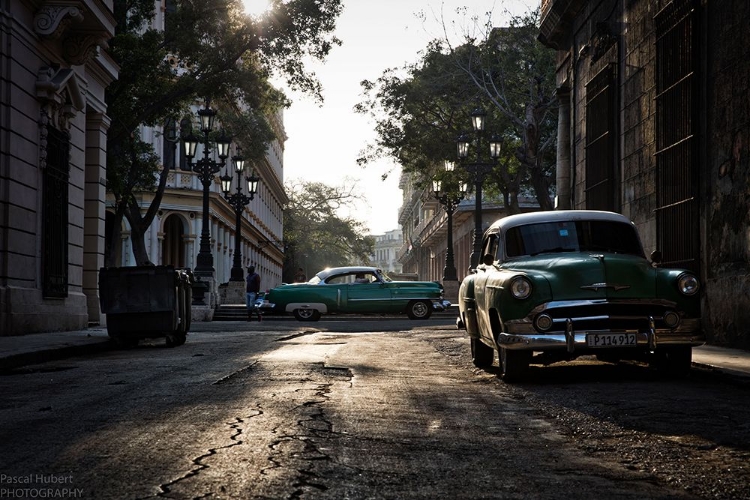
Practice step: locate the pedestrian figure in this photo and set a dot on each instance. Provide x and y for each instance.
(300, 276)
(252, 288)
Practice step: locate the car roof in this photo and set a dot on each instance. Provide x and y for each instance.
(555, 216)
(331, 271)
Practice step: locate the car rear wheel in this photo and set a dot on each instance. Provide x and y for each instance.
(307, 314)
(419, 309)
(482, 355)
(514, 364)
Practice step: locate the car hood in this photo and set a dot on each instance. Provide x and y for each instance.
(589, 275)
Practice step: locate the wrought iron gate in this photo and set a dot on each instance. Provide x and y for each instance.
(55, 212)
(601, 182)
(677, 212)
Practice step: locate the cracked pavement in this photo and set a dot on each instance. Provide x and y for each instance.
(285, 413)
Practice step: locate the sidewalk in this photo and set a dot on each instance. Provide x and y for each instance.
(36, 348)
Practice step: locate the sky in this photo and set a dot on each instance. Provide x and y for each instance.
(324, 141)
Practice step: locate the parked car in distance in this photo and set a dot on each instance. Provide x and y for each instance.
(553, 286)
(355, 289)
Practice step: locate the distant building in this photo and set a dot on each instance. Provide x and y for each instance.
(386, 250)
(425, 228)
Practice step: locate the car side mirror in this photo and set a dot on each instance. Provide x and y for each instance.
(656, 257)
(488, 259)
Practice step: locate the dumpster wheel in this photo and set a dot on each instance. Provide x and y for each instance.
(124, 341)
(176, 339)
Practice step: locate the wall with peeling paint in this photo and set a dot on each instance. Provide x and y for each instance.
(723, 86)
(727, 174)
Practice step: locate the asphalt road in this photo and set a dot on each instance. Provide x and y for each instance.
(363, 408)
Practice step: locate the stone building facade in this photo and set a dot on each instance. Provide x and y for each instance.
(424, 224)
(654, 123)
(174, 236)
(54, 69)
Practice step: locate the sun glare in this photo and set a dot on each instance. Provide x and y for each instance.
(256, 8)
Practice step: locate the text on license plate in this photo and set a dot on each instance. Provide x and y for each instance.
(610, 339)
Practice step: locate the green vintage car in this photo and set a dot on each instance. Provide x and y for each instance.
(356, 289)
(556, 285)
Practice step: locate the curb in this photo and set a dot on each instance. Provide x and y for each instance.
(53, 354)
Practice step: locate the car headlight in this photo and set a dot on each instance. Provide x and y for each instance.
(520, 287)
(688, 284)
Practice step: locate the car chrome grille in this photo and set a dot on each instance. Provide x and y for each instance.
(607, 316)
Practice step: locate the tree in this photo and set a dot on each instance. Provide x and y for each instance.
(208, 49)
(419, 116)
(316, 232)
(516, 74)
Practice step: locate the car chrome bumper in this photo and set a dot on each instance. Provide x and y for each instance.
(524, 337)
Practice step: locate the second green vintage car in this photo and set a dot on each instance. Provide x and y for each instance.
(556, 285)
(355, 290)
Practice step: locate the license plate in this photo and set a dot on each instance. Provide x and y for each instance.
(610, 339)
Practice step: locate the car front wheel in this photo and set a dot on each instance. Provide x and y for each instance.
(514, 364)
(482, 355)
(419, 309)
(307, 314)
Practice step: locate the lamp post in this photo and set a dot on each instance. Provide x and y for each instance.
(449, 200)
(206, 168)
(478, 170)
(238, 201)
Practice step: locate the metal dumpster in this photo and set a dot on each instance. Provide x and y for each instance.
(145, 302)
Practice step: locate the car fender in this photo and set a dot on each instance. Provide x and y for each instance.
(467, 306)
(318, 306)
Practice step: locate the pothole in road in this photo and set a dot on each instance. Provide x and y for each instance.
(335, 371)
(297, 335)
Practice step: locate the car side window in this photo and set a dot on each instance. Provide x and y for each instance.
(341, 279)
(364, 278)
(489, 249)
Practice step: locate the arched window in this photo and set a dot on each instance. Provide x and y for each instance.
(173, 246)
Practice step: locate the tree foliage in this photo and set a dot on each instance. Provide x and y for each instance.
(420, 115)
(317, 232)
(507, 72)
(516, 74)
(209, 49)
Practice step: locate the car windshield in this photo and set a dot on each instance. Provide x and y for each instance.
(572, 236)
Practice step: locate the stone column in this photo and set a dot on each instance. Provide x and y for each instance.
(94, 214)
(563, 149)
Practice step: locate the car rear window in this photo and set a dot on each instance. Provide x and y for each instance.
(573, 236)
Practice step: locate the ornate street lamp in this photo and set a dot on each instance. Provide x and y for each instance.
(206, 168)
(449, 199)
(238, 201)
(478, 170)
